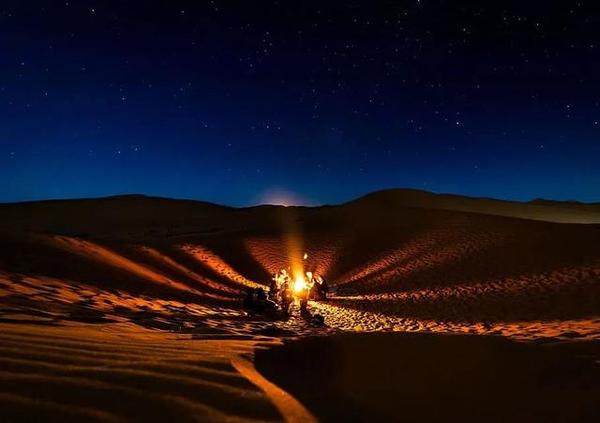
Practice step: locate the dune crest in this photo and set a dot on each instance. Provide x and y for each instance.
(102, 297)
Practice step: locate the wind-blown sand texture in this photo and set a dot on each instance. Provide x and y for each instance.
(124, 305)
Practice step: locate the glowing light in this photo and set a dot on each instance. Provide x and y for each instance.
(281, 197)
(300, 284)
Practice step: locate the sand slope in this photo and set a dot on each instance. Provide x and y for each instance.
(386, 257)
(82, 275)
(539, 209)
(124, 373)
(392, 255)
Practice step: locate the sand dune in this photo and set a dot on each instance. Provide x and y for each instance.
(138, 298)
(539, 209)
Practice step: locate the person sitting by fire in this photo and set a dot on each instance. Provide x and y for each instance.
(323, 289)
(264, 305)
(249, 302)
(256, 302)
(303, 298)
(315, 289)
(286, 297)
(319, 288)
(302, 288)
(273, 289)
(260, 298)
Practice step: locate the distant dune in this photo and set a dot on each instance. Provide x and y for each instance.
(539, 209)
(395, 254)
(397, 260)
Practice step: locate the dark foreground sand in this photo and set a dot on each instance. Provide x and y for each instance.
(426, 377)
(121, 372)
(124, 373)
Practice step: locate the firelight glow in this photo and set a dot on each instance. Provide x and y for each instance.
(299, 284)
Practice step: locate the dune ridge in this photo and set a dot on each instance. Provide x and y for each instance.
(105, 297)
(382, 255)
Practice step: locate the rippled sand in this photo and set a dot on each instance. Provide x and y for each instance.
(129, 308)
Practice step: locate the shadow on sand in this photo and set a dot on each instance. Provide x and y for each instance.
(423, 377)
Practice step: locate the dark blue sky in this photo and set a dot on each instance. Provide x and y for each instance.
(249, 101)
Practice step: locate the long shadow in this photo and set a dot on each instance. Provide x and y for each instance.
(500, 304)
(487, 248)
(270, 252)
(234, 253)
(161, 259)
(367, 241)
(177, 253)
(33, 256)
(421, 377)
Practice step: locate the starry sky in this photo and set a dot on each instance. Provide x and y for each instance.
(303, 102)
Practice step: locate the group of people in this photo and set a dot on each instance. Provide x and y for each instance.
(256, 302)
(282, 292)
(283, 289)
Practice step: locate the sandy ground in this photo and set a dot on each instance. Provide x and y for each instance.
(107, 304)
(425, 377)
(120, 372)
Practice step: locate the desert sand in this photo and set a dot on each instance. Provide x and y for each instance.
(128, 308)
(431, 377)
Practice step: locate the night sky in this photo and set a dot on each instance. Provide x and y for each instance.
(302, 101)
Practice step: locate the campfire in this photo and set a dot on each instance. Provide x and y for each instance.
(299, 281)
(294, 285)
(300, 284)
